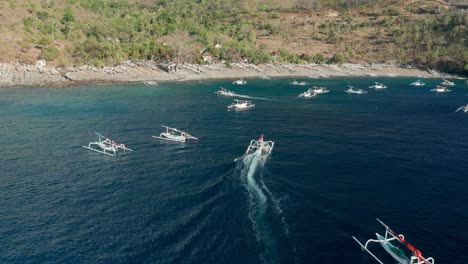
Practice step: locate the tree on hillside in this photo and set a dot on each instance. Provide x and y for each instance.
(180, 41)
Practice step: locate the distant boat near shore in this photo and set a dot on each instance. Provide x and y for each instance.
(352, 90)
(417, 83)
(378, 85)
(151, 83)
(441, 89)
(239, 82)
(447, 82)
(298, 83)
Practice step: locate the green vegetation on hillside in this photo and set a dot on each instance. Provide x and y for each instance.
(105, 32)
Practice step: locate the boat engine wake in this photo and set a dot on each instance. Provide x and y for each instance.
(261, 204)
(253, 97)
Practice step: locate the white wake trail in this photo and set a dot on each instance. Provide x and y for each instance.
(252, 97)
(259, 196)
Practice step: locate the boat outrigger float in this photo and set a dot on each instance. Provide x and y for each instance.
(173, 134)
(258, 146)
(106, 146)
(395, 250)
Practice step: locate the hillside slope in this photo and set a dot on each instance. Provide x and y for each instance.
(107, 32)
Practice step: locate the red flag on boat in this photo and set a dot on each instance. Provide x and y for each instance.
(261, 138)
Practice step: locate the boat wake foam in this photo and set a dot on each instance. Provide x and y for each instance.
(253, 97)
(261, 202)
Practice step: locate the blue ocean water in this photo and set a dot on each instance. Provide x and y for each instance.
(339, 162)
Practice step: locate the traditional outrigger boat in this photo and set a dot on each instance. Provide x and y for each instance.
(240, 105)
(441, 89)
(298, 83)
(463, 108)
(447, 82)
(106, 146)
(308, 94)
(239, 82)
(418, 83)
(151, 83)
(351, 90)
(320, 90)
(225, 92)
(378, 86)
(395, 251)
(173, 134)
(258, 146)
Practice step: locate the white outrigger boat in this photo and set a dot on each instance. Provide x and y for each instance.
(151, 83)
(463, 108)
(173, 134)
(320, 90)
(378, 86)
(225, 92)
(395, 250)
(298, 83)
(106, 146)
(447, 82)
(441, 89)
(258, 146)
(239, 82)
(308, 94)
(265, 77)
(351, 90)
(240, 105)
(418, 83)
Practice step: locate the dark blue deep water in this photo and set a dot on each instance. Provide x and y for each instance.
(339, 162)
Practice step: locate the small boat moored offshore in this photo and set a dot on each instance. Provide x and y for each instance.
(106, 146)
(352, 90)
(418, 83)
(225, 92)
(151, 83)
(378, 86)
(447, 82)
(173, 134)
(240, 105)
(396, 251)
(307, 94)
(463, 108)
(441, 89)
(259, 146)
(320, 90)
(298, 83)
(239, 82)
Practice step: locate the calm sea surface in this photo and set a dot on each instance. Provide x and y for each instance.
(339, 162)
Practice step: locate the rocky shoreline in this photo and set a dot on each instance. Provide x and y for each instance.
(134, 72)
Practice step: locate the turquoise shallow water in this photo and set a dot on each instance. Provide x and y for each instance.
(339, 162)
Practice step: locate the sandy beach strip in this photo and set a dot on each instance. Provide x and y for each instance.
(39, 75)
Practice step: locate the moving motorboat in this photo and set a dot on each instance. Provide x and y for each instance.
(378, 86)
(418, 83)
(239, 82)
(441, 89)
(173, 134)
(259, 146)
(396, 245)
(240, 105)
(106, 146)
(225, 92)
(352, 90)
